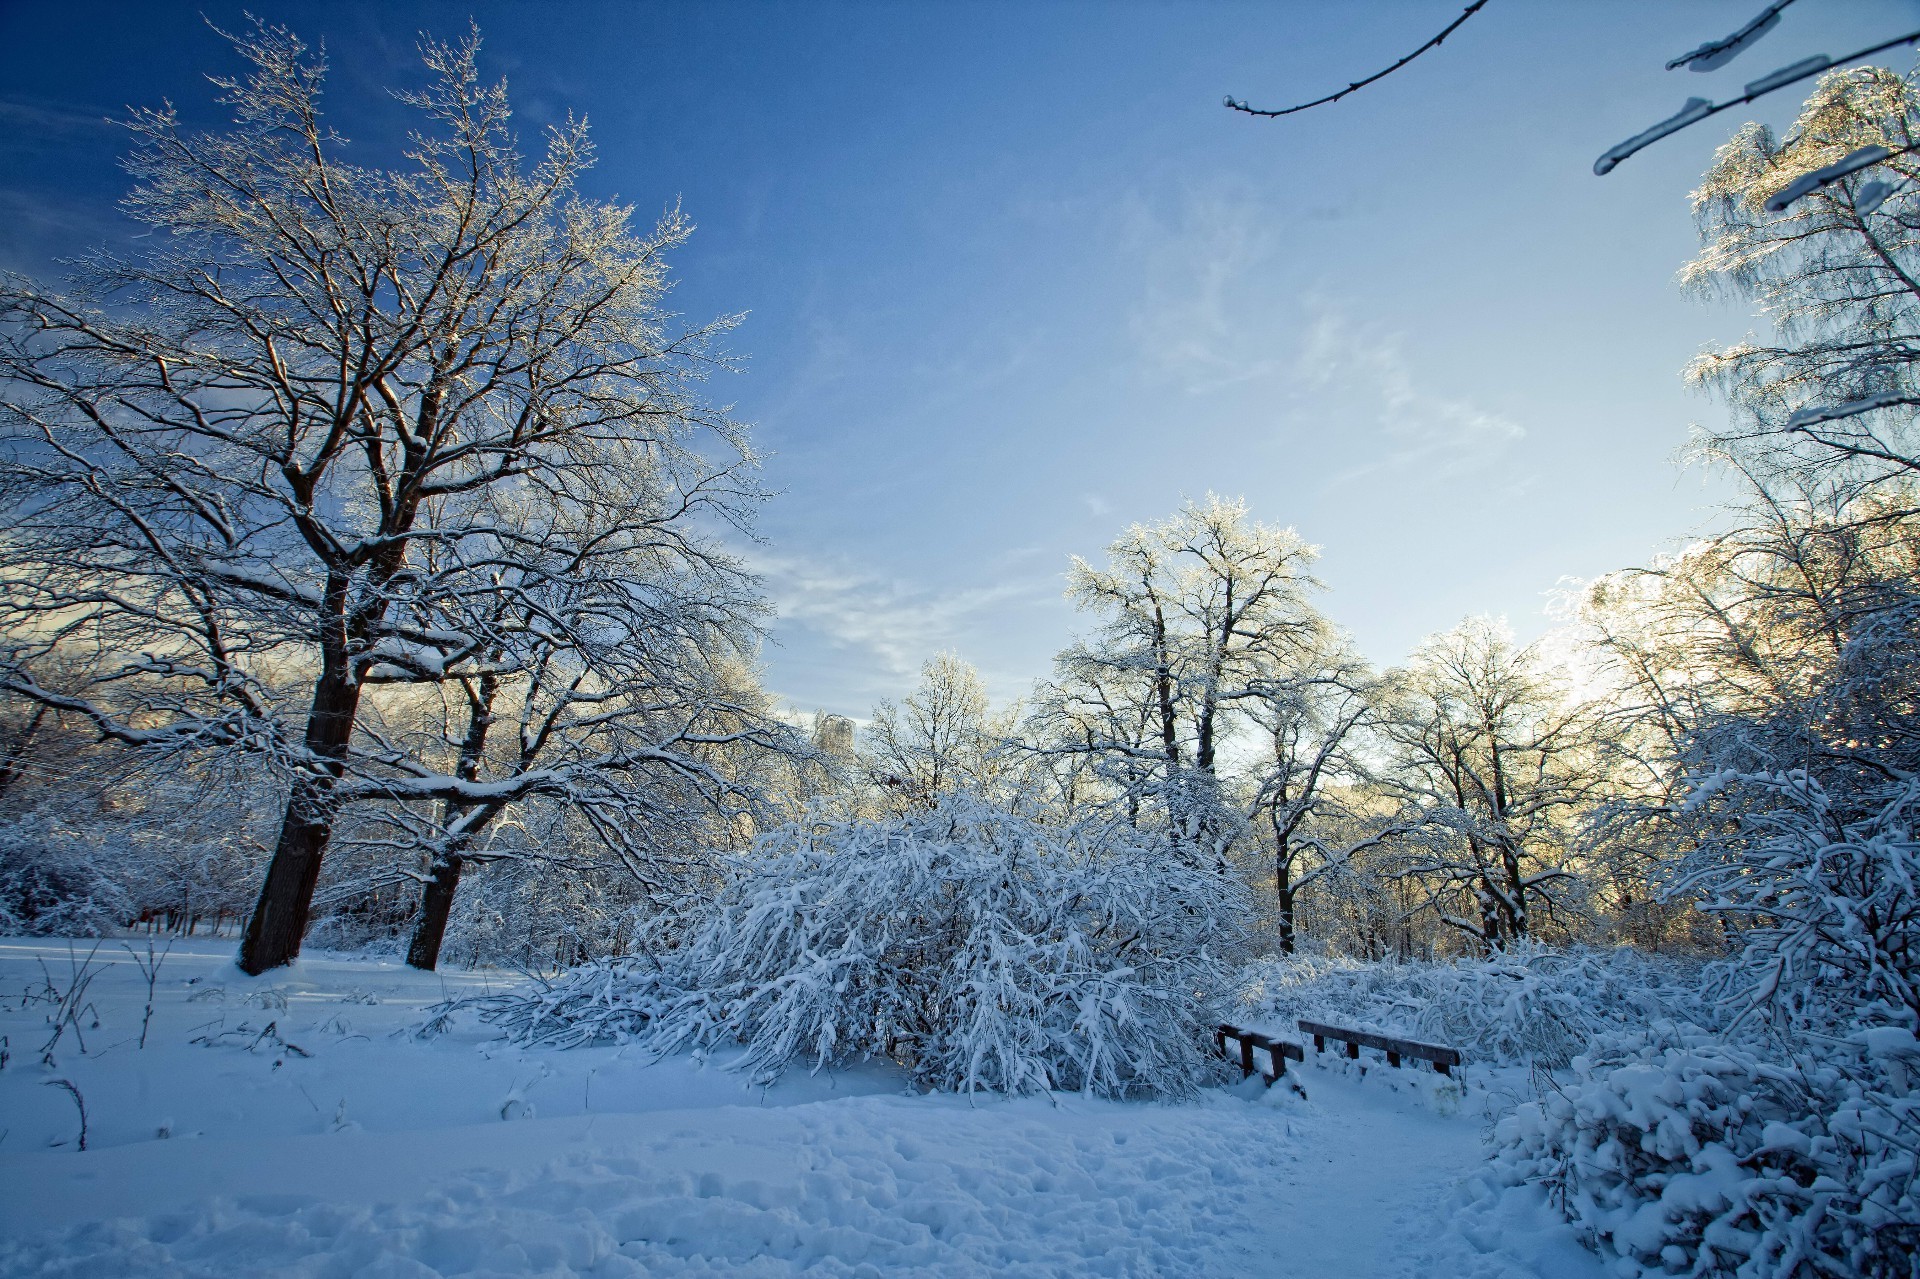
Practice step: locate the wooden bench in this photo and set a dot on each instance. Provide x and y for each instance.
(1443, 1059)
(1277, 1050)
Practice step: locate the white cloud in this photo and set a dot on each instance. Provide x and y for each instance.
(1199, 319)
(1419, 431)
(897, 624)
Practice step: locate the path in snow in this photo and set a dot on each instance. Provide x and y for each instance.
(1363, 1177)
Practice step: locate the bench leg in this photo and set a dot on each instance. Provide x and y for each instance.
(1246, 1056)
(1393, 1059)
(1443, 1068)
(1353, 1051)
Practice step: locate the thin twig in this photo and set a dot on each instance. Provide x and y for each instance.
(1235, 104)
(150, 969)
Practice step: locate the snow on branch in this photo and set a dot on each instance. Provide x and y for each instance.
(1851, 408)
(1698, 109)
(1808, 183)
(1717, 53)
(1693, 110)
(1234, 104)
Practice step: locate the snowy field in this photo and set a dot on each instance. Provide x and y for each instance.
(288, 1125)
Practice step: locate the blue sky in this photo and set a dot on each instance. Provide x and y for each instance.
(1014, 279)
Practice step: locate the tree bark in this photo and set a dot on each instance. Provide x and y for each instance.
(1284, 891)
(279, 921)
(436, 904)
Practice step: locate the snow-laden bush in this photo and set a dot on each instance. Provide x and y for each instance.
(1529, 1004)
(1824, 888)
(1784, 1143)
(1681, 1152)
(56, 882)
(982, 950)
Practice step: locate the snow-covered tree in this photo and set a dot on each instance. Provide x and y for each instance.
(1204, 617)
(1832, 394)
(1306, 804)
(942, 737)
(338, 429)
(1490, 760)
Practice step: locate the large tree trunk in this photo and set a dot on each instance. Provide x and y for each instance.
(279, 921)
(436, 904)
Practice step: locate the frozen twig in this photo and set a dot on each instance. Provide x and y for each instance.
(1234, 104)
(1717, 53)
(149, 966)
(79, 1102)
(1698, 109)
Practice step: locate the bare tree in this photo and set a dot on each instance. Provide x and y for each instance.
(1312, 715)
(327, 416)
(621, 693)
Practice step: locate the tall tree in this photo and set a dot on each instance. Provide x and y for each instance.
(1204, 616)
(1491, 760)
(942, 737)
(1312, 717)
(321, 419)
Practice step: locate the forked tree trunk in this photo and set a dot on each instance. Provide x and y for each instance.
(436, 905)
(279, 921)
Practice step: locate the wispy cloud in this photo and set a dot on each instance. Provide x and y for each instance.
(30, 120)
(887, 625)
(1197, 319)
(1419, 430)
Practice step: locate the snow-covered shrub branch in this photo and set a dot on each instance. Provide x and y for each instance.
(980, 949)
(1687, 1153)
(1829, 907)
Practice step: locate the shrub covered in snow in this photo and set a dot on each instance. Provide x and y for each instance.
(1684, 1153)
(1786, 1146)
(980, 949)
(54, 882)
(1529, 1004)
(1823, 886)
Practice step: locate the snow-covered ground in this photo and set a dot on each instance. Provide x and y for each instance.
(335, 1144)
